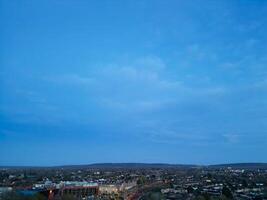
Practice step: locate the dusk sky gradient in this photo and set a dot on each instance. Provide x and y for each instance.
(133, 81)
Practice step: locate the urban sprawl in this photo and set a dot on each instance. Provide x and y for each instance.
(134, 183)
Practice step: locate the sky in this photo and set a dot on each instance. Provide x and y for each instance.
(133, 81)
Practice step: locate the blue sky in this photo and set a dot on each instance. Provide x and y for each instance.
(133, 81)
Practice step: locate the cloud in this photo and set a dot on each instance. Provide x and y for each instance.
(246, 138)
(168, 135)
(69, 79)
(141, 85)
(262, 84)
(231, 138)
(150, 74)
(129, 94)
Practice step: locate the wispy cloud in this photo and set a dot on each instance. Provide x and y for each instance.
(232, 138)
(69, 79)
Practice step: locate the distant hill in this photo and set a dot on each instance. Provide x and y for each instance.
(165, 166)
(107, 166)
(145, 166)
(241, 165)
(128, 166)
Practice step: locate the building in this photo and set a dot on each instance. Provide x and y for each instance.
(79, 189)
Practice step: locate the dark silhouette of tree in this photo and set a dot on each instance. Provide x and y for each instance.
(68, 197)
(190, 189)
(227, 192)
(244, 183)
(141, 180)
(16, 196)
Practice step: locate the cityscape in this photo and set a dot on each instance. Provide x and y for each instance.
(133, 181)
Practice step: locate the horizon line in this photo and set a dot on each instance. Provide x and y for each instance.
(144, 163)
